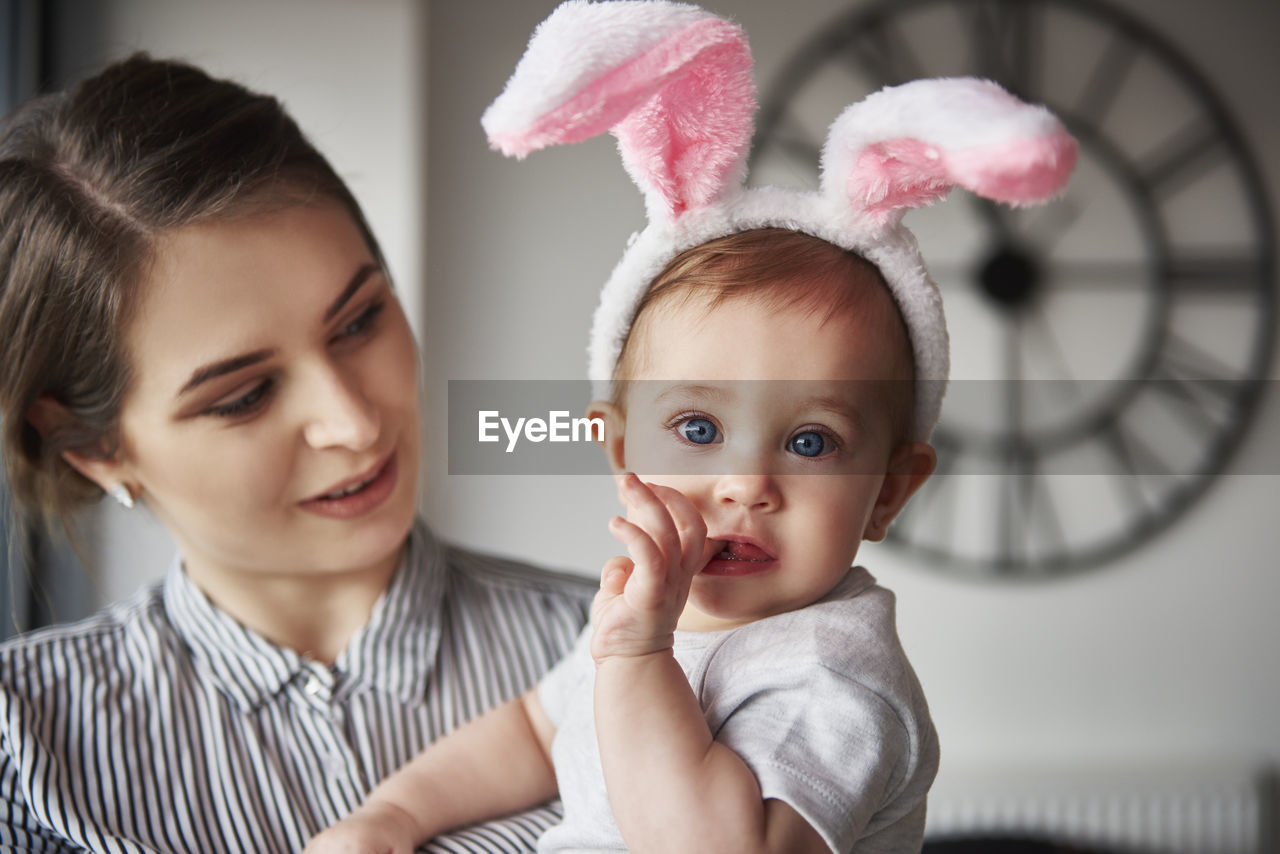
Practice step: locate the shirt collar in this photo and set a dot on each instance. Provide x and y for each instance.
(394, 651)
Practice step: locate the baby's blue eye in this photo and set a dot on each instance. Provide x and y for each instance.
(807, 444)
(700, 431)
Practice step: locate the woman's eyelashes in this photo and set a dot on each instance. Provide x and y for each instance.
(363, 324)
(246, 404)
(241, 406)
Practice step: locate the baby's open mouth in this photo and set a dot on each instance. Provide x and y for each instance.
(738, 559)
(743, 551)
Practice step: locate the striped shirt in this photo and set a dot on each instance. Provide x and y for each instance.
(163, 725)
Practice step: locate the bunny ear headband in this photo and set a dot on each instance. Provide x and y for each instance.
(673, 83)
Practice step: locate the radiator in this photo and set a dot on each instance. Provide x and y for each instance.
(1185, 810)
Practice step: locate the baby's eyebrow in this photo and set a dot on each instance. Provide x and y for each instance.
(832, 404)
(701, 390)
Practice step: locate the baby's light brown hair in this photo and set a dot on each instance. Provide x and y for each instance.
(782, 270)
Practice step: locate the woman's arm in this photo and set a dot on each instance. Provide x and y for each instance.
(492, 766)
(672, 787)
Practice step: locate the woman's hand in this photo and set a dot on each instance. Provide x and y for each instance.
(374, 828)
(642, 596)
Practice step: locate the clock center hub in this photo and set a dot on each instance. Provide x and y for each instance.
(1010, 278)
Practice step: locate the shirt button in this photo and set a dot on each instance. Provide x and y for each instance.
(314, 687)
(335, 765)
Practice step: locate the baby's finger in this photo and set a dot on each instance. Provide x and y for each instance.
(644, 585)
(690, 526)
(648, 512)
(614, 575)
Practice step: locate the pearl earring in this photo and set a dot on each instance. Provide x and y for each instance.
(121, 493)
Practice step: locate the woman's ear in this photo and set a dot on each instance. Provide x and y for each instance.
(105, 469)
(909, 467)
(615, 428)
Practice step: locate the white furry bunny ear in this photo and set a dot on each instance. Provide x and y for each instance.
(907, 146)
(671, 81)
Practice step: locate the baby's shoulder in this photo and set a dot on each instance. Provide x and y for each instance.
(848, 637)
(852, 622)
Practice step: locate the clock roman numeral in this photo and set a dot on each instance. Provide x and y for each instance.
(1216, 274)
(1134, 456)
(1028, 529)
(1181, 159)
(1006, 44)
(1207, 392)
(1141, 485)
(1106, 80)
(881, 52)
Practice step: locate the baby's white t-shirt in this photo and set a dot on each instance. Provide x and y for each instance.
(821, 703)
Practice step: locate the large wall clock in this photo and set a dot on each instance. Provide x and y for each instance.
(1109, 348)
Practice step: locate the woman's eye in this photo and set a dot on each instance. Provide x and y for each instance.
(808, 444)
(247, 403)
(700, 431)
(363, 322)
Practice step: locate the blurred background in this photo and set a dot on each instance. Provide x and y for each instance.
(1101, 651)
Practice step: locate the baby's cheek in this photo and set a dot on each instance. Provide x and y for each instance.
(645, 456)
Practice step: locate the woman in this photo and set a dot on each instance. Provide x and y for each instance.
(195, 316)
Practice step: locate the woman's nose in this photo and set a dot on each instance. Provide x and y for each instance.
(339, 414)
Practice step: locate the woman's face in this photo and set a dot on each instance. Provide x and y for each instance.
(272, 421)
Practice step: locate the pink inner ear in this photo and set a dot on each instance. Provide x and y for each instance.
(897, 174)
(1022, 171)
(908, 173)
(682, 112)
(686, 140)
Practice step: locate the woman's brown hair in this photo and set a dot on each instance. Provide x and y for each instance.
(88, 179)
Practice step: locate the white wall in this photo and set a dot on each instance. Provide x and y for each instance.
(1168, 655)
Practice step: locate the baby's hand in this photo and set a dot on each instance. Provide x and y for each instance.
(641, 597)
(374, 828)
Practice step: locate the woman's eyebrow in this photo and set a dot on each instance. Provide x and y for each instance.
(226, 366)
(236, 363)
(357, 281)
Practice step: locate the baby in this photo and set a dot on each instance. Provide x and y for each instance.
(749, 686)
(770, 365)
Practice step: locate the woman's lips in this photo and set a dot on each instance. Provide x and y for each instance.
(357, 496)
(739, 558)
